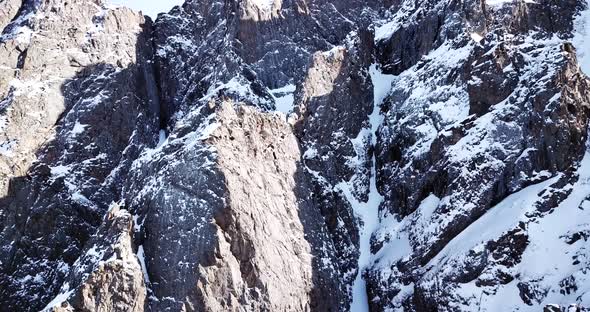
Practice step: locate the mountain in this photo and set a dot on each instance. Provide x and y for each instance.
(295, 155)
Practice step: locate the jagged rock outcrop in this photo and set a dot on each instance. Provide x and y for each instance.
(108, 276)
(461, 133)
(77, 107)
(8, 11)
(264, 232)
(296, 155)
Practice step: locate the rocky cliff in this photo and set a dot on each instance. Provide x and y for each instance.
(295, 155)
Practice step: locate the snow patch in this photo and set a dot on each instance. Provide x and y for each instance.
(162, 138)
(7, 148)
(141, 257)
(284, 98)
(476, 37)
(238, 87)
(265, 4)
(59, 171)
(77, 129)
(385, 31)
(502, 217)
(64, 294)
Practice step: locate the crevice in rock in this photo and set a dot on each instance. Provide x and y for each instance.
(162, 105)
(20, 64)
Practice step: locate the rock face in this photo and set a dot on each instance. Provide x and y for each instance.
(73, 119)
(296, 155)
(108, 275)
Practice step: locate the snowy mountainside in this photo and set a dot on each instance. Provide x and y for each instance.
(295, 155)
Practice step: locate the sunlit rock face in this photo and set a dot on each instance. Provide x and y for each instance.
(296, 155)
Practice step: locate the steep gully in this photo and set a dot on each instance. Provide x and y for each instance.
(368, 212)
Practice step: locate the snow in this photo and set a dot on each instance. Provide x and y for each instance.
(64, 294)
(191, 140)
(367, 212)
(310, 153)
(264, 4)
(24, 35)
(141, 257)
(59, 171)
(238, 87)
(161, 138)
(284, 98)
(430, 103)
(502, 217)
(429, 106)
(28, 88)
(78, 128)
(395, 234)
(546, 262)
(137, 225)
(206, 131)
(476, 37)
(581, 39)
(78, 197)
(385, 31)
(334, 50)
(7, 147)
(21, 33)
(148, 153)
(381, 87)
(549, 257)
(398, 243)
(172, 42)
(399, 20)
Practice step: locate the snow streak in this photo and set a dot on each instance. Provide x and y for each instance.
(367, 212)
